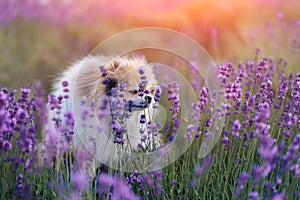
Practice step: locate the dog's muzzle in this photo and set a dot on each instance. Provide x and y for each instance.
(139, 104)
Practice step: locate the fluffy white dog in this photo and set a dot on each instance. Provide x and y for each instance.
(95, 79)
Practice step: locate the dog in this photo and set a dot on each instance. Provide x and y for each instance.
(92, 81)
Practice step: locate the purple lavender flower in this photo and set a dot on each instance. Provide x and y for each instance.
(143, 81)
(283, 87)
(254, 196)
(225, 72)
(6, 145)
(241, 182)
(136, 178)
(80, 181)
(118, 189)
(141, 70)
(173, 97)
(288, 120)
(19, 187)
(154, 180)
(199, 106)
(175, 127)
(226, 140)
(143, 119)
(280, 196)
(157, 94)
(65, 84)
(208, 122)
(106, 82)
(189, 132)
(227, 107)
(206, 163)
(53, 102)
(261, 117)
(69, 119)
(267, 150)
(236, 127)
(3, 99)
(173, 182)
(103, 71)
(291, 154)
(269, 153)
(118, 112)
(198, 132)
(149, 134)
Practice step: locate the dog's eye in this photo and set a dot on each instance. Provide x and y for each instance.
(133, 91)
(109, 84)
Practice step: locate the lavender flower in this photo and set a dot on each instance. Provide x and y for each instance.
(6, 145)
(157, 94)
(189, 132)
(291, 154)
(154, 180)
(241, 182)
(80, 182)
(136, 178)
(173, 97)
(143, 81)
(103, 71)
(236, 127)
(204, 165)
(19, 187)
(173, 182)
(225, 72)
(65, 85)
(254, 196)
(280, 196)
(118, 113)
(143, 119)
(262, 115)
(175, 127)
(226, 140)
(119, 189)
(199, 106)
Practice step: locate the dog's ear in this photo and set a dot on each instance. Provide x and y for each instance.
(114, 65)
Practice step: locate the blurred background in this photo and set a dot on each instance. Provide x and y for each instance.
(39, 38)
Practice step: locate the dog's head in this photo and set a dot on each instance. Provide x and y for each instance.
(139, 80)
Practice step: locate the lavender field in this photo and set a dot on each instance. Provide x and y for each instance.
(257, 155)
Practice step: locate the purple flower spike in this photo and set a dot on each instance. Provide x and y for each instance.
(119, 189)
(225, 140)
(203, 167)
(157, 94)
(254, 196)
(173, 97)
(65, 84)
(280, 196)
(80, 181)
(236, 127)
(241, 182)
(6, 146)
(189, 131)
(141, 70)
(143, 119)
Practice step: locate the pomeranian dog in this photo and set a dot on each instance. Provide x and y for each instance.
(96, 81)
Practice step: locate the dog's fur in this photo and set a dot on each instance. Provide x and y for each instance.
(85, 80)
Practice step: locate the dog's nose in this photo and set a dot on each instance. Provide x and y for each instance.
(148, 99)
